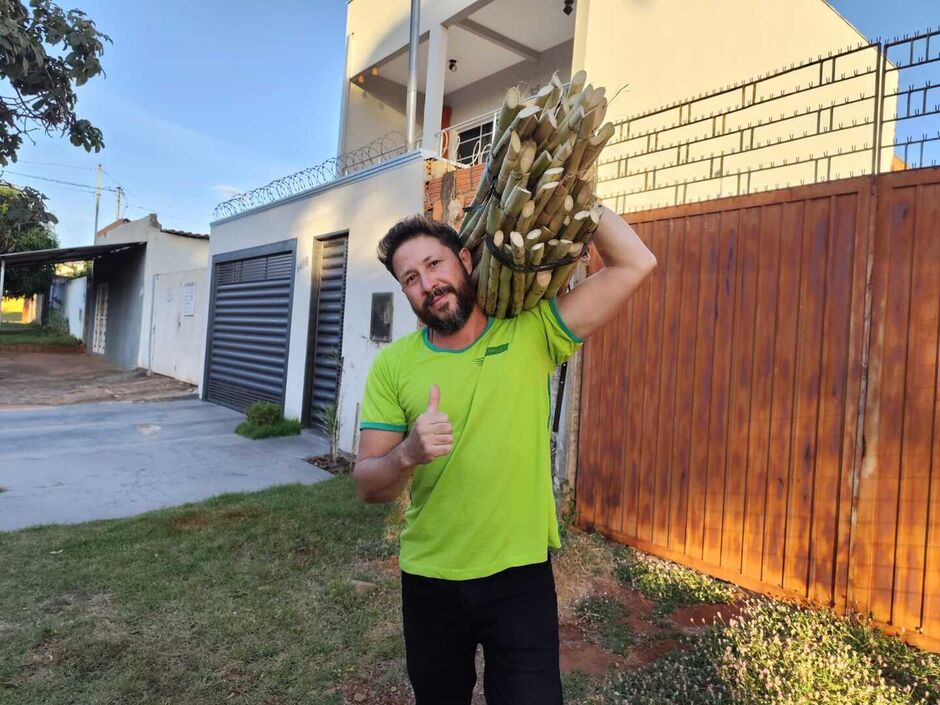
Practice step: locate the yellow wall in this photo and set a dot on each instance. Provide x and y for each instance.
(664, 52)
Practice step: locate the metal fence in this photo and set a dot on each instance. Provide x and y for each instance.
(868, 109)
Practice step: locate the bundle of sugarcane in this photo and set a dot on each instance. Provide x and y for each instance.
(535, 211)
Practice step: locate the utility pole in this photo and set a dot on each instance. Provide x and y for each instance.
(97, 200)
(117, 208)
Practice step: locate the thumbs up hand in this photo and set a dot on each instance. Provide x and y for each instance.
(432, 435)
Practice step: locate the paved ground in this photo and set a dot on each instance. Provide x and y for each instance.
(113, 459)
(41, 379)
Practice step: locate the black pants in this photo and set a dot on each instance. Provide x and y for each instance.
(513, 614)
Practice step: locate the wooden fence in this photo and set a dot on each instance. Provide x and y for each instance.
(727, 422)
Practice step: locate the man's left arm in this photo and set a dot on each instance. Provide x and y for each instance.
(600, 297)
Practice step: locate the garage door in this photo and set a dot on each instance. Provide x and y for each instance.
(328, 342)
(249, 329)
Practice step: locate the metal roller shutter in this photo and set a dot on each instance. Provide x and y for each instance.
(248, 336)
(328, 346)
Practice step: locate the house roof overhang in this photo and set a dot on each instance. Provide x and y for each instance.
(65, 254)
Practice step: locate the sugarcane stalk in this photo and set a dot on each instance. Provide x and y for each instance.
(515, 204)
(546, 234)
(492, 281)
(542, 162)
(484, 224)
(573, 228)
(555, 250)
(527, 156)
(533, 238)
(505, 287)
(583, 194)
(561, 274)
(542, 196)
(522, 125)
(539, 284)
(556, 201)
(469, 222)
(526, 216)
(484, 270)
(546, 127)
(561, 214)
(509, 162)
(518, 277)
(550, 175)
(516, 178)
(596, 145)
(577, 82)
(545, 92)
(512, 104)
(535, 255)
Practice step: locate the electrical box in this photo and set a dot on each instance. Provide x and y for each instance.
(380, 331)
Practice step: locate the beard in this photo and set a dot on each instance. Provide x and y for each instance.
(455, 317)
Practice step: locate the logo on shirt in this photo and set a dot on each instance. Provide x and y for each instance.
(495, 350)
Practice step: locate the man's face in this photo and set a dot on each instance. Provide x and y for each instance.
(436, 282)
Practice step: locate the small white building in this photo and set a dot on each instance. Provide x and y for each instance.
(143, 307)
(297, 297)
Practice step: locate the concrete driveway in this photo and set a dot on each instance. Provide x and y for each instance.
(75, 463)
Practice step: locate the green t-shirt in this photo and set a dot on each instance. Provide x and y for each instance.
(487, 505)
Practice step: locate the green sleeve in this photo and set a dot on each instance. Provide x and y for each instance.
(561, 342)
(380, 407)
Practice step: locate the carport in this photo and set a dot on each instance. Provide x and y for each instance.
(38, 258)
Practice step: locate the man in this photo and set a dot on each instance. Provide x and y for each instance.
(462, 411)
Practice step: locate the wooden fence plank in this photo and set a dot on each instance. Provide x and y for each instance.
(667, 392)
(829, 424)
(920, 391)
(647, 485)
(721, 371)
(701, 401)
(685, 378)
(782, 405)
(741, 380)
(762, 385)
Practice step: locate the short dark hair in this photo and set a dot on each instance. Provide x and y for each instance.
(415, 226)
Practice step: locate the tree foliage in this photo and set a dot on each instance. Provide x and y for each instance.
(25, 225)
(45, 52)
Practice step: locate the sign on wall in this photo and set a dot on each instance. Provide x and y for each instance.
(189, 299)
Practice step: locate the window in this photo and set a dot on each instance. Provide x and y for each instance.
(473, 141)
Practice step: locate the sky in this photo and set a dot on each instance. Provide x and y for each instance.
(207, 98)
(201, 99)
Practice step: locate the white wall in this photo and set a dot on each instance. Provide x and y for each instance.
(365, 205)
(165, 253)
(73, 305)
(178, 339)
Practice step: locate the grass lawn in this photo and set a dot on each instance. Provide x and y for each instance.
(291, 596)
(31, 334)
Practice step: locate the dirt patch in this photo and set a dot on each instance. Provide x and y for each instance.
(49, 379)
(341, 466)
(360, 692)
(578, 653)
(40, 348)
(212, 520)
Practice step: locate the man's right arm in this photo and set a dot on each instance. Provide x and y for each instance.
(383, 466)
(387, 459)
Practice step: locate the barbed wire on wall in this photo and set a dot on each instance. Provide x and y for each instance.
(391, 144)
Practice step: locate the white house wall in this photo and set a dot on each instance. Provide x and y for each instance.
(73, 305)
(178, 339)
(365, 206)
(164, 253)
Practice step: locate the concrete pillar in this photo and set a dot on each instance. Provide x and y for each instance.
(434, 87)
